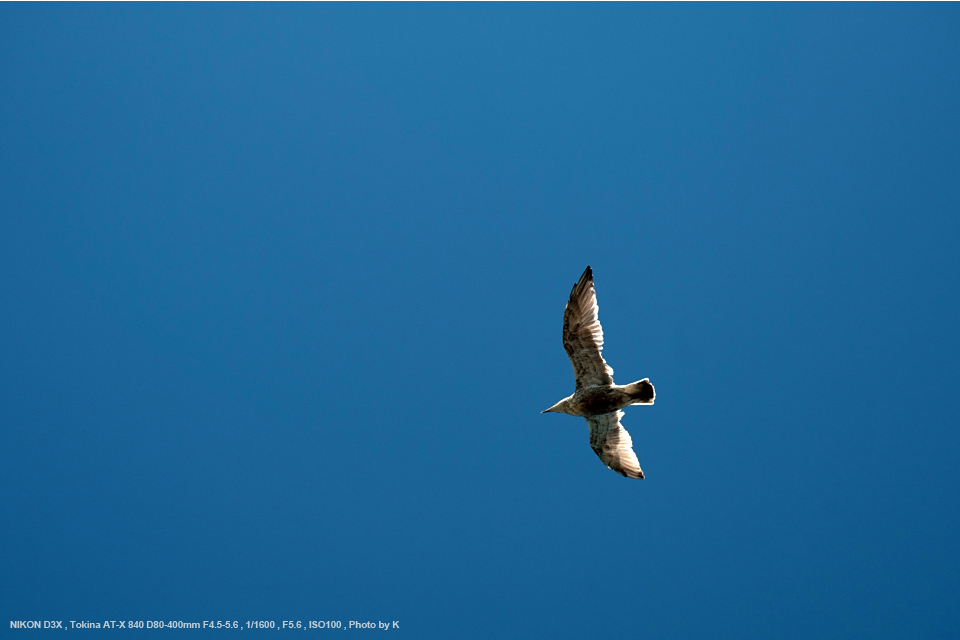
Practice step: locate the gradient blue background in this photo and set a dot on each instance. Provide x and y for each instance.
(282, 290)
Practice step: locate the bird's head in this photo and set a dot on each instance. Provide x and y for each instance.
(560, 407)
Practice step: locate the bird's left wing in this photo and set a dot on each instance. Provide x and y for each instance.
(583, 335)
(612, 443)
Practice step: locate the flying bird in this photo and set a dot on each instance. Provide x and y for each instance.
(597, 398)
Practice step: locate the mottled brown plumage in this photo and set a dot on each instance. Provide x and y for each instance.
(596, 397)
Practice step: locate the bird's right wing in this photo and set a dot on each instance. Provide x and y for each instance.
(612, 443)
(583, 335)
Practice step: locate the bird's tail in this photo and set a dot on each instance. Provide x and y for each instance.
(641, 392)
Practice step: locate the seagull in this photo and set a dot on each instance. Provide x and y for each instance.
(597, 398)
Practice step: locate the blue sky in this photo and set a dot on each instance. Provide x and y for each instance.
(282, 296)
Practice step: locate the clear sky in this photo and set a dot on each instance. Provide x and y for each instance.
(281, 300)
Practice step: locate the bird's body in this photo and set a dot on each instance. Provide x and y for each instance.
(597, 398)
(596, 401)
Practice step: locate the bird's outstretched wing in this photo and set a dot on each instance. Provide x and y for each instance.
(583, 335)
(613, 444)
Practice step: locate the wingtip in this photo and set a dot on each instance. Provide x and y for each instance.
(585, 278)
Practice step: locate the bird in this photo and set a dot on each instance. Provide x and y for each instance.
(596, 397)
